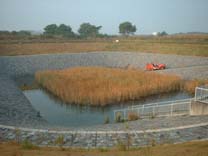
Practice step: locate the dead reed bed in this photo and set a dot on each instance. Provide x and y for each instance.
(189, 86)
(103, 86)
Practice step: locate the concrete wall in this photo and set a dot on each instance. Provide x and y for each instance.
(199, 108)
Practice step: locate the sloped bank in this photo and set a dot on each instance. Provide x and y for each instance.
(15, 67)
(16, 110)
(90, 139)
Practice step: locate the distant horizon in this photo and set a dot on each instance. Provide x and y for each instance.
(148, 15)
(39, 32)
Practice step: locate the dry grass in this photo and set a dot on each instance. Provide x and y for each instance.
(185, 149)
(102, 86)
(189, 86)
(50, 48)
(196, 45)
(29, 86)
(133, 116)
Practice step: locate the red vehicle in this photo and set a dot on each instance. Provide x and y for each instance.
(152, 66)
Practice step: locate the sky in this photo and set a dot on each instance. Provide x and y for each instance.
(172, 16)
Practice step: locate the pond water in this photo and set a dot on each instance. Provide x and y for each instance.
(60, 114)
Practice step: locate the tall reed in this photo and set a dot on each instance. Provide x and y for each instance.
(102, 86)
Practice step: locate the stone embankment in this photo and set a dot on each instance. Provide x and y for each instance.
(16, 110)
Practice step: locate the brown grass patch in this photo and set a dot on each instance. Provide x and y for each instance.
(102, 86)
(189, 86)
(196, 45)
(186, 149)
(133, 116)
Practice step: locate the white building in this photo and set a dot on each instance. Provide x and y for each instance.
(155, 33)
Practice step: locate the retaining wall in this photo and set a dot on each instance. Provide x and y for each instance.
(90, 139)
(199, 108)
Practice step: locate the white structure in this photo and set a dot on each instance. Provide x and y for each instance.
(116, 41)
(201, 94)
(166, 108)
(155, 33)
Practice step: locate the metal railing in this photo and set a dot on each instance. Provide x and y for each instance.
(201, 94)
(166, 108)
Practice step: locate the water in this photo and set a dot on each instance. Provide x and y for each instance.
(60, 114)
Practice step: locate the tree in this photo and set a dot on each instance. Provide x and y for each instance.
(127, 28)
(88, 30)
(163, 33)
(24, 33)
(65, 31)
(61, 30)
(51, 29)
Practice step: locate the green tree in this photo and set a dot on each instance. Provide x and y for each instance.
(24, 33)
(163, 33)
(126, 28)
(65, 31)
(88, 30)
(50, 29)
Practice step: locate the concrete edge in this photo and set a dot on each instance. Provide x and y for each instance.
(103, 132)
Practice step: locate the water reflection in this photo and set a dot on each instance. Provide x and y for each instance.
(59, 113)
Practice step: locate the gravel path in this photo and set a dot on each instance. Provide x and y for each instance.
(23, 65)
(15, 109)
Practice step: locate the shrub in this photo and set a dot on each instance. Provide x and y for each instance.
(107, 120)
(60, 140)
(17, 135)
(28, 145)
(118, 117)
(133, 116)
(103, 149)
(121, 146)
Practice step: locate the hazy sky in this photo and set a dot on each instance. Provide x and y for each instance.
(148, 15)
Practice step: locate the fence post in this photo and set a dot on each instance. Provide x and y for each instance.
(171, 109)
(190, 108)
(142, 109)
(195, 93)
(114, 112)
(124, 113)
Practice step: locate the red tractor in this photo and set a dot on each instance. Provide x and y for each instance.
(152, 66)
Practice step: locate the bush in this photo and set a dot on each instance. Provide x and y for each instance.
(59, 140)
(103, 149)
(28, 145)
(118, 117)
(107, 120)
(133, 116)
(121, 146)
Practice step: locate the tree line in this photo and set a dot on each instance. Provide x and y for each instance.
(86, 30)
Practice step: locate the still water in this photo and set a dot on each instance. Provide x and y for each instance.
(60, 114)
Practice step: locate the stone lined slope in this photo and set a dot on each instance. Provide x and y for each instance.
(15, 109)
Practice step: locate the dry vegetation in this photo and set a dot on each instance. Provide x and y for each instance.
(102, 86)
(189, 86)
(185, 149)
(133, 116)
(173, 44)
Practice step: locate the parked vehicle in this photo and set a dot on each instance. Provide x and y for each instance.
(152, 66)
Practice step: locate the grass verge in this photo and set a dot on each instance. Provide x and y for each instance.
(195, 45)
(199, 148)
(103, 86)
